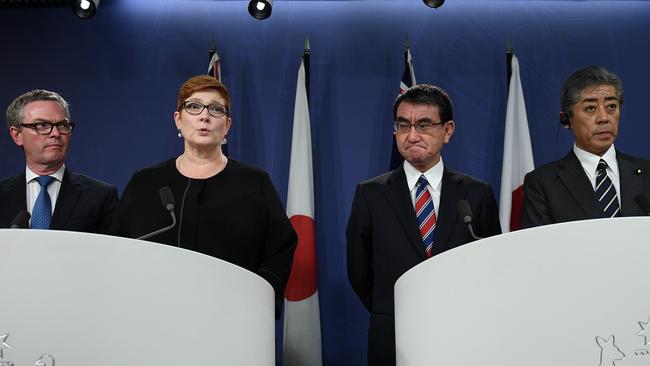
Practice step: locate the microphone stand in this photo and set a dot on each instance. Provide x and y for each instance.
(146, 236)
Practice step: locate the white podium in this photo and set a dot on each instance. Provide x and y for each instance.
(566, 294)
(91, 300)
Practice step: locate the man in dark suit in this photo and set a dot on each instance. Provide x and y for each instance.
(385, 235)
(39, 123)
(593, 180)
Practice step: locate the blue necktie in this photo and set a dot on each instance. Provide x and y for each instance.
(42, 211)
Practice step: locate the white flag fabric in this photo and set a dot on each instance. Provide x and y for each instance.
(214, 68)
(517, 155)
(302, 336)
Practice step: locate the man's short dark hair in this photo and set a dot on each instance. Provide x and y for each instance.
(589, 76)
(429, 95)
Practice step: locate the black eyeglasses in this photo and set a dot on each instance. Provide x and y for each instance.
(420, 127)
(45, 128)
(196, 108)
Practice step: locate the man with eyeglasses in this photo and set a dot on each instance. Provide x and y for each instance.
(56, 198)
(408, 215)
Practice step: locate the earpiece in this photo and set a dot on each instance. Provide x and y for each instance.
(564, 120)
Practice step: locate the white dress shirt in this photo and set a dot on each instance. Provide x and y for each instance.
(33, 188)
(590, 161)
(434, 177)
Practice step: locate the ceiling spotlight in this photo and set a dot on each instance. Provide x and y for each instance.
(260, 9)
(85, 9)
(434, 3)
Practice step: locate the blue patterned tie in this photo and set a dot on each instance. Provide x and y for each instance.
(606, 192)
(42, 211)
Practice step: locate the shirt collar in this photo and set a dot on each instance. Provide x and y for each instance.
(30, 175)
(590, 161)
(433, 175)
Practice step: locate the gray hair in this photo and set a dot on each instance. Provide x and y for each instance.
(586, 77)
(15, 109)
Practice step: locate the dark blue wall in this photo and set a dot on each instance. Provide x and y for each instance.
(121, 72)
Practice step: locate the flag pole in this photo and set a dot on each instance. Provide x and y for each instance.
(214, 70)
(409, 58)
(509, 53)
(305, 58)
(407, 81)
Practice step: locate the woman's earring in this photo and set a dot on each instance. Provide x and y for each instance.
(179, 133)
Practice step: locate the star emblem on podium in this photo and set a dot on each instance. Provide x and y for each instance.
(41, 360)
(3, 344)
(645, 332)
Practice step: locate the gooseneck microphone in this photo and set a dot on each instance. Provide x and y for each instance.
(643, 201)
(167, 199)
(465, 212)
(21, 221)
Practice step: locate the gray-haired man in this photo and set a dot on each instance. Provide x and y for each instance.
(594, 180)
(39, 123)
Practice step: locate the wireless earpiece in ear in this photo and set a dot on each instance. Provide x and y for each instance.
(564, 119)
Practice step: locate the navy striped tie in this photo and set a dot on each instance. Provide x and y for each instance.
(606, 192)
(426, 214)
(42, 211)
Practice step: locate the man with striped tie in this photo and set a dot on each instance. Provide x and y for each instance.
(594, 180)
(408, 215)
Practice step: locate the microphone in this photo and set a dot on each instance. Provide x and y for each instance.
(466, 213)
(21, 221)
(167, 199)
(643, 201)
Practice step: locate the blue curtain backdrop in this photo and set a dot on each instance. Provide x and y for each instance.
(121, 71)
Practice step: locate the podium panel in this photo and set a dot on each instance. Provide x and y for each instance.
(90, 299)
(565, 294)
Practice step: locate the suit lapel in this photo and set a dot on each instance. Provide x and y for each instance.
(16, 196)
(575, 180)
(66, 201)
(399, 198)
(631, 180)
(447, 212)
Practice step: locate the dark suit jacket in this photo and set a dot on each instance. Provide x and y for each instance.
(560, 191)
(84, 204)
(383, 242)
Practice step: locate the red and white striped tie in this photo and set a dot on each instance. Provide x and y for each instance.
(426, 214)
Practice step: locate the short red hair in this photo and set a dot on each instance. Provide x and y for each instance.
(201, 82)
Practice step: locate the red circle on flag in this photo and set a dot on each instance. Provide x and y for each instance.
(303, 280)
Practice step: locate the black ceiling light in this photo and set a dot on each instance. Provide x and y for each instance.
(85, 9)
(434, 3)
(260, 9)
